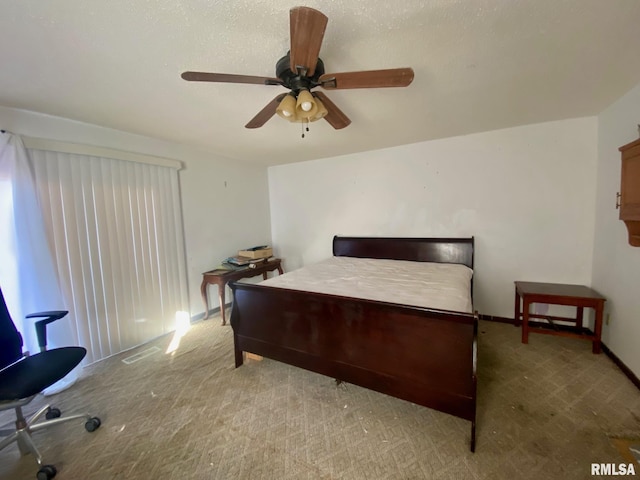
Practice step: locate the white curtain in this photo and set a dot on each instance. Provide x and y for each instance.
(118, 243)
(28, 276)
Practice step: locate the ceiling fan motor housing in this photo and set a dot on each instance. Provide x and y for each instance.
(297, 81)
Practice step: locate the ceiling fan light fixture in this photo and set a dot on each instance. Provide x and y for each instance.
(322, 110)
(287, 108)
(306, 106)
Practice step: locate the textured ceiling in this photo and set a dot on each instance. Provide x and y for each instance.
(479, 65)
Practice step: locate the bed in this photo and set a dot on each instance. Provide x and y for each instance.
(424, 355)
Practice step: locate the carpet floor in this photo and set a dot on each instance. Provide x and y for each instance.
(548, 409)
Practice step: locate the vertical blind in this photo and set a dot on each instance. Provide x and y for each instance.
(116, 228)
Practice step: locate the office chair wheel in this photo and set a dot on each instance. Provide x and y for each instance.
(53, 413)
(92, 425)
(47, 472)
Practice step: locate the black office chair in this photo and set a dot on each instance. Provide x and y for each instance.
(23, 377)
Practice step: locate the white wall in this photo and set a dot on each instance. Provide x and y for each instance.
(616, 264)
(224, 202)
(527, 194)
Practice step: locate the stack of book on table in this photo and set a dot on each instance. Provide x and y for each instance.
(261, 252)
(248, 258)
(236, 263)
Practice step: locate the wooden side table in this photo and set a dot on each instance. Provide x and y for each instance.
(222, 277)
(577, 296)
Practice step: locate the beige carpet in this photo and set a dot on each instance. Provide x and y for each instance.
(546, 410)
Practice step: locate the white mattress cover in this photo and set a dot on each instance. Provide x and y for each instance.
(443, 286)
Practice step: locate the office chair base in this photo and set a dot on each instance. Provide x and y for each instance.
(24, 429)
(47, 472)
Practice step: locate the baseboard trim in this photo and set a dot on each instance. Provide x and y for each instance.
(200, 316)
(607, 351)
(621, 365)
(493, 318)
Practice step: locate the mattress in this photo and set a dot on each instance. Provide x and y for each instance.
(442, 286)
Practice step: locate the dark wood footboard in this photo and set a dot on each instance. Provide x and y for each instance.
(424, 356)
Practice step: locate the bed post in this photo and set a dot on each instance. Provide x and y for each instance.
(237, 352)
(232, 321)
(474, 380)
(473, 436)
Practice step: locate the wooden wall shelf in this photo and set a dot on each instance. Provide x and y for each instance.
(630, 190)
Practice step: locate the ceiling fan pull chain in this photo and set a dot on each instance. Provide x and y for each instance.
(303, 128)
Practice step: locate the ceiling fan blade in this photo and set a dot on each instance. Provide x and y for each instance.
(266, 113)
(307, 31)
(395, 77)
(336, 117)
(228, 78)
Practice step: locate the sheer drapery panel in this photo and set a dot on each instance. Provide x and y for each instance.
(116, 228)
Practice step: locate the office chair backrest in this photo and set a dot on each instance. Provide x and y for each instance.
(10, 338)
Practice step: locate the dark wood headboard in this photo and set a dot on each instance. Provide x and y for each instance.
(440, 250)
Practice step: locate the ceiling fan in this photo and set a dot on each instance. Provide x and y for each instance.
(300, 71)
